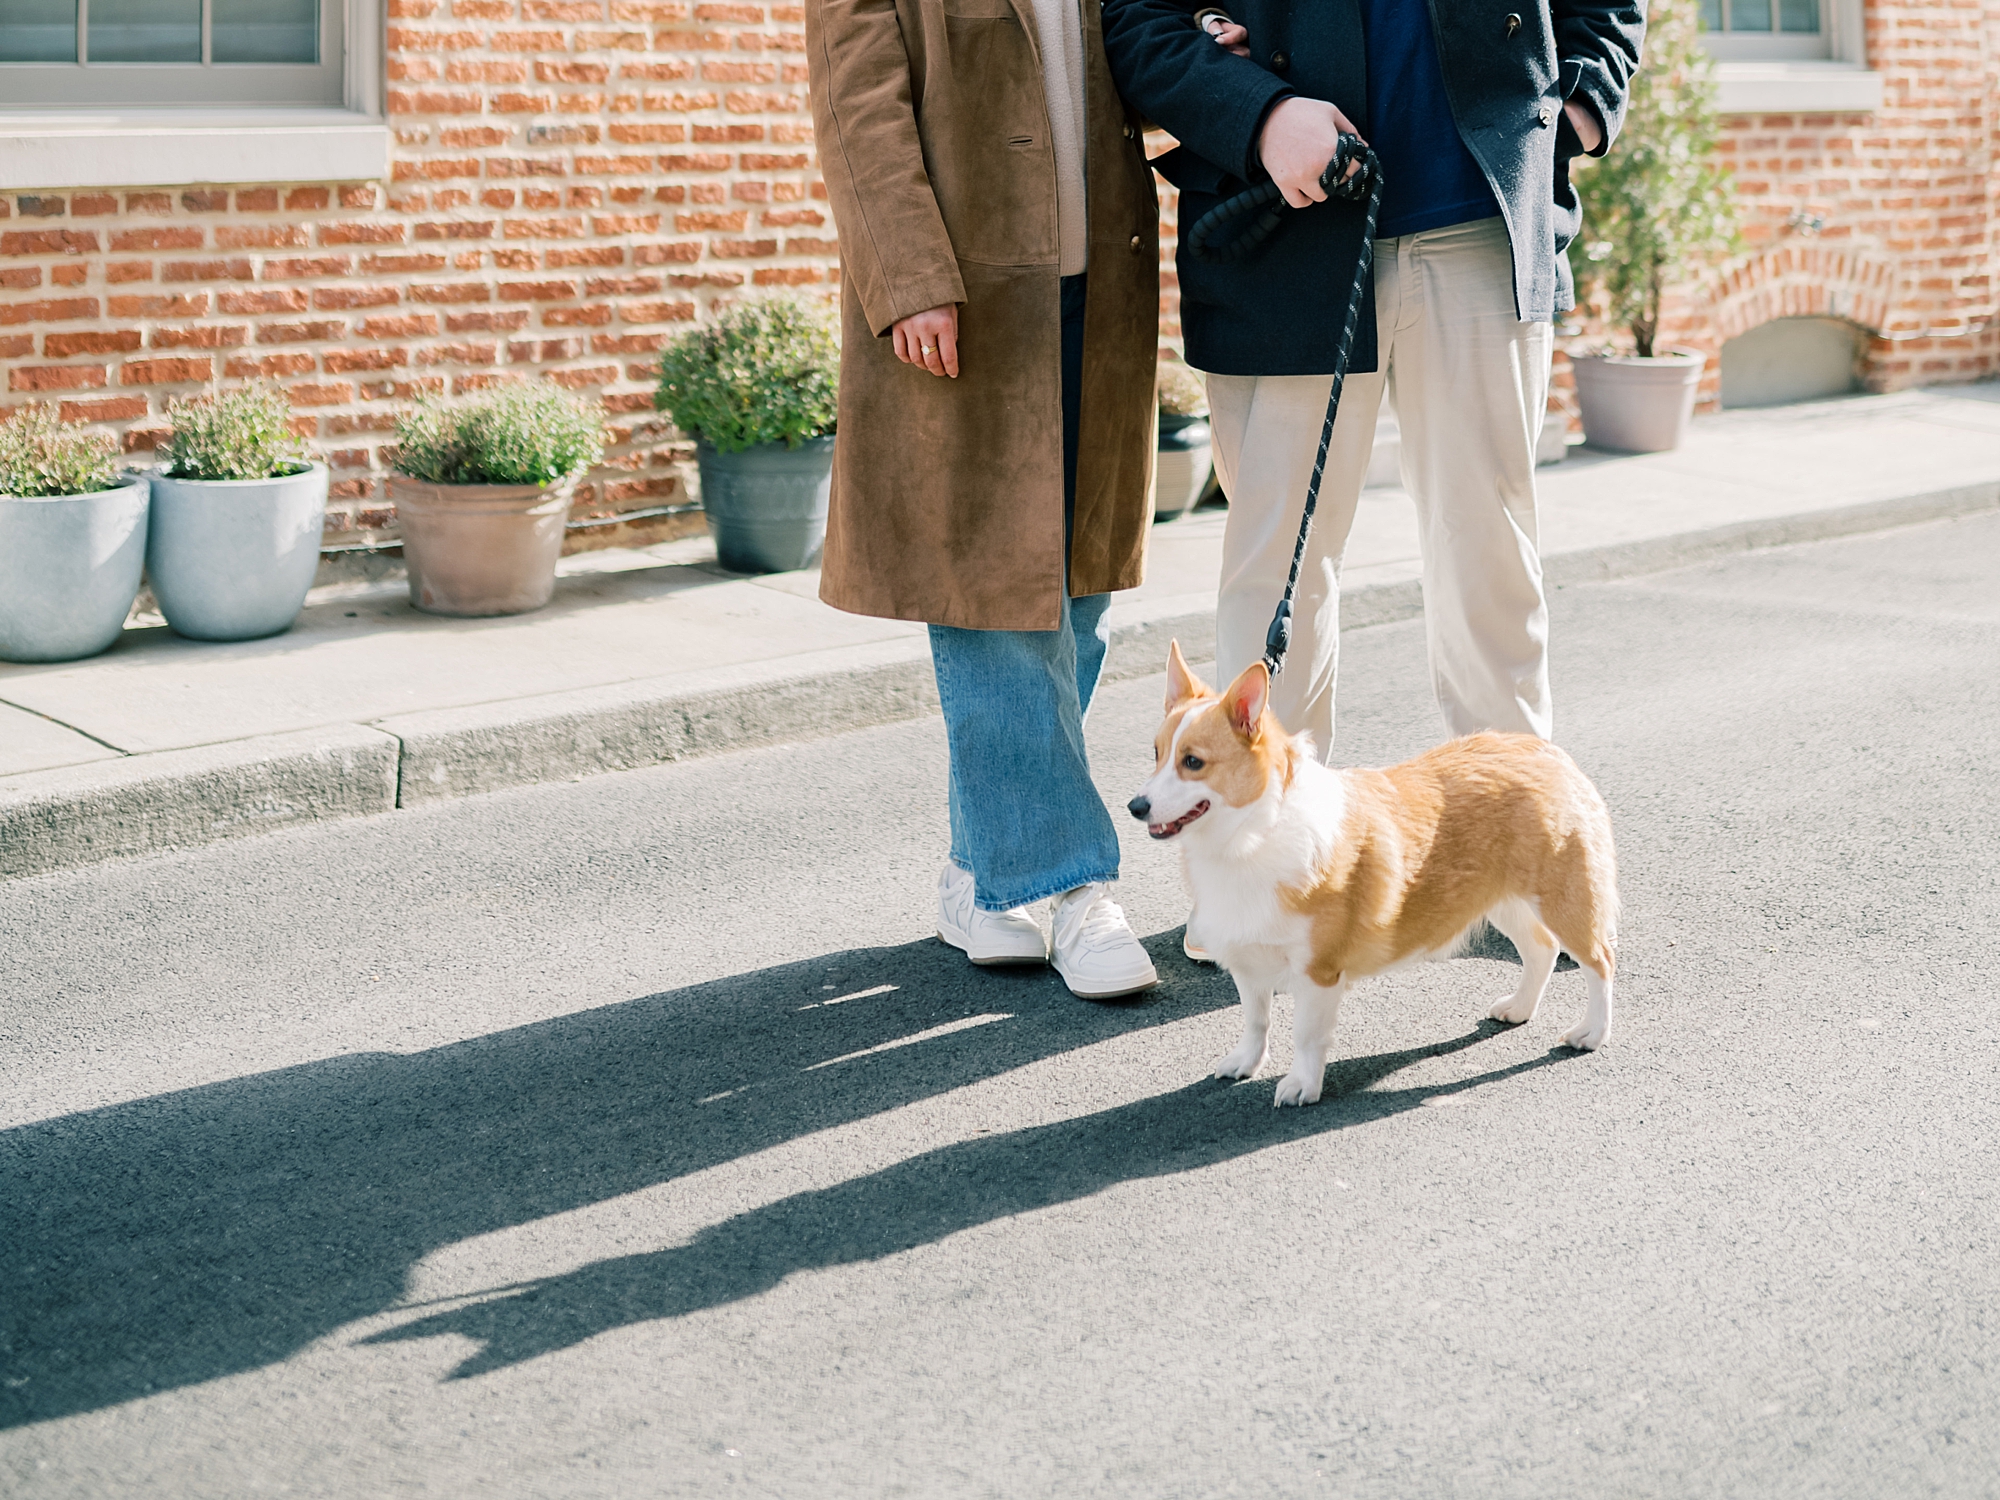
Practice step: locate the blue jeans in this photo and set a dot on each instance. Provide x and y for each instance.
(1026, 818)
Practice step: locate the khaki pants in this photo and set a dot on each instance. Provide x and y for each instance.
(1469, 383)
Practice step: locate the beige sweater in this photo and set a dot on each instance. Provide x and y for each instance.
(1059, 34)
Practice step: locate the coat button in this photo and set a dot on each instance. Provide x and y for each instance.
(1128, 132)
(1280, 62)
(1513, 24)
(1137, 244)
(1548, 113)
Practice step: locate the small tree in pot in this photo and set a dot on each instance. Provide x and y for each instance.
(482, 493)
(1181, 467)
(758, 391)
(238, 514)
(1659, 210)
(72, 538)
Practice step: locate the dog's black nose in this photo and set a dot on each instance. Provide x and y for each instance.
(1140, 807)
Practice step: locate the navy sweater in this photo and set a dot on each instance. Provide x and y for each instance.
(1429, 179)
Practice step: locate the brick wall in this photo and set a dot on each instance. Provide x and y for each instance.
(572, 181)
(1890, 220)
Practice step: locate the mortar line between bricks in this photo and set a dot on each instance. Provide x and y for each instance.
(64, 724)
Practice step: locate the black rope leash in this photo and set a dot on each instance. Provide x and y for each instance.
(1206, 242)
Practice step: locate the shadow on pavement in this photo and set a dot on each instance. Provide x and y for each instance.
(180, 1238)
(928, 1197)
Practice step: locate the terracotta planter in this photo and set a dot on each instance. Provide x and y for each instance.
(1633, 405)
(1181, 466)
(231, 559)
(69, 570)
(480, 549)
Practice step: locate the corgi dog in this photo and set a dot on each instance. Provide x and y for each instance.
(1308, 878)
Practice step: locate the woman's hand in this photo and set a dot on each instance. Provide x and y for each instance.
(1229, 35)
(929, 339)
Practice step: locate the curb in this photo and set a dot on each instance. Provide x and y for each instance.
(179, 799)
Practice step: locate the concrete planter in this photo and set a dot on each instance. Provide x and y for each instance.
(480, 549)
(1633, 405)
(766, 506)
(231, 559)
(1181, 466)
(69, 570)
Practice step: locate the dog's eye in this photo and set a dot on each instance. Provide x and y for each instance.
(1191, 762)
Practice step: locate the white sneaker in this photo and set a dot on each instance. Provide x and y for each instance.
(988, 937)
(1095, 951)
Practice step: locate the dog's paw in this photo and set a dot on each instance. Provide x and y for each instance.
(1514, 1010)
(1298, 1088)
(1587, 1036)
(1242, 1063)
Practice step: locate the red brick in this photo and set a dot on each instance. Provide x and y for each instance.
(204, 337)
(104, 409)
(181, 305)
(332, 298)
(64, 345)
(56, 377)
(165, 371)
(360, 234)
(287, 300)
(206, 270)
(51, 311)
(48, 242)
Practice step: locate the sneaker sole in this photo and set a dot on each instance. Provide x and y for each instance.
(1116, 993)
(993, 961)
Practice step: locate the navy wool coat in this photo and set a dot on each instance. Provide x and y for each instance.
(1509, 66)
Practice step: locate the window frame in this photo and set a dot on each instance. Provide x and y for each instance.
(52, 85)
(124, 143)
(1777, 46)
(1753, 76)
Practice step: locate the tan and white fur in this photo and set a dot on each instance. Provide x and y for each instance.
(1306, 878)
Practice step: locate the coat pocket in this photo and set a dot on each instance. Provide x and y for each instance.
(986, 140)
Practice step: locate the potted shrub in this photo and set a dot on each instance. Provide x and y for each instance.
(72, 538)
(1659, 211)
(482, 492)
(238, 514)
(1180, 472)
(757, 390)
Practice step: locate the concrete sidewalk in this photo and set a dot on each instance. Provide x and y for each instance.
(656, 654)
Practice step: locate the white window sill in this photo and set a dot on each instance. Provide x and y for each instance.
(1763, 88)
(171, 147)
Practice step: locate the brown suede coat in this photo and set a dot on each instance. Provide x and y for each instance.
(933, 137)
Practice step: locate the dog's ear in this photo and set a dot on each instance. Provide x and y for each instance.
(1181, 683)
(1247, 698)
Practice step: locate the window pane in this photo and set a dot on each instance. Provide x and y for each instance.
(1711, 15)
(153, 31)
(263, 31)
(1798, 15)
(38, 31)
(1744, 15)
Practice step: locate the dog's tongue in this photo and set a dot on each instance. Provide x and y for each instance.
(1168, 830)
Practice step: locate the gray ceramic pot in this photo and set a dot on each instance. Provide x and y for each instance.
(1181, 467)
(766, 506)
(231, 559)
(480, 549)
(1633, 405)
(69, 570)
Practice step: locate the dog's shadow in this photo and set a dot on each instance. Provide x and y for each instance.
(929, 1197)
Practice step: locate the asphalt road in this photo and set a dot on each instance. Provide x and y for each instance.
(518, 1147)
